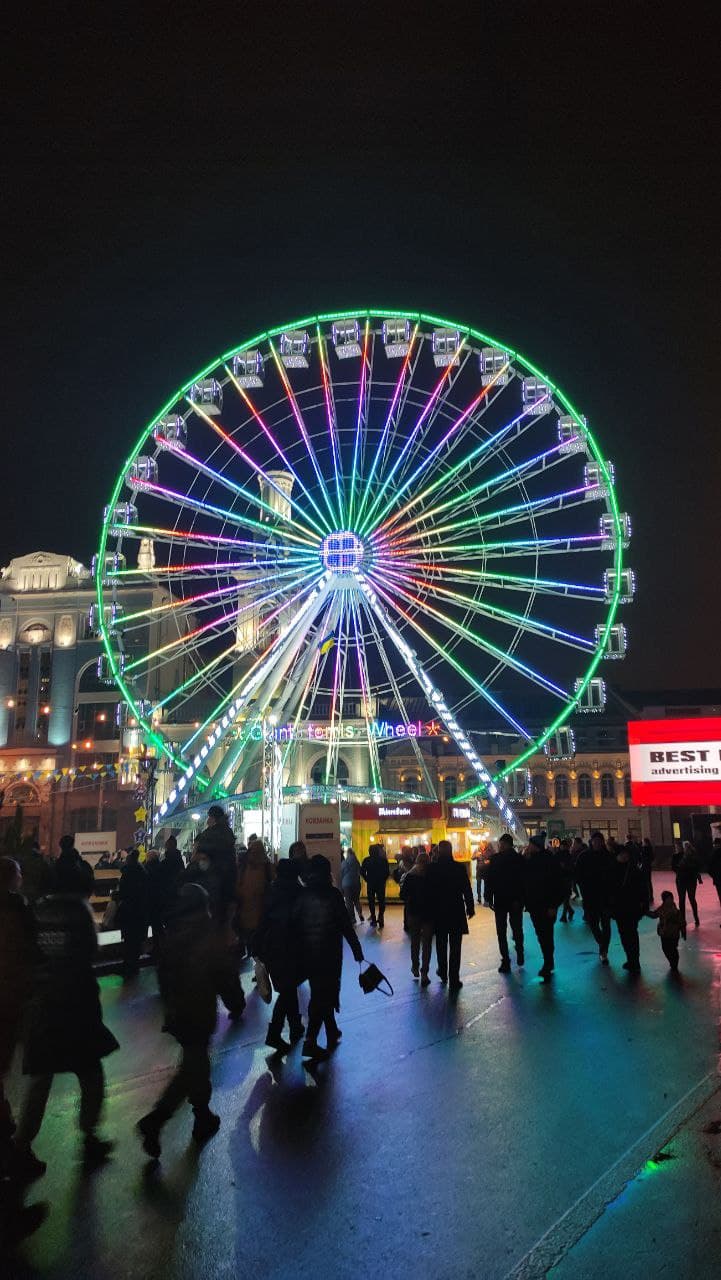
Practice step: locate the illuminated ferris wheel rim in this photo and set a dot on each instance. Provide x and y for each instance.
(329, 532)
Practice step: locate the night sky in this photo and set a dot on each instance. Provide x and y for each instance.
(545, 171)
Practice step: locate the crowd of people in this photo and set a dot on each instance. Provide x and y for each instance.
(228, 903)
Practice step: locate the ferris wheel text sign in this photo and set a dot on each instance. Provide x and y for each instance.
(675, 761)
(359, 731)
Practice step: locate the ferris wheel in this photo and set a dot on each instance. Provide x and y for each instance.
(357, 511)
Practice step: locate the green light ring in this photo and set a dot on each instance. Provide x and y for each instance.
(419, 317)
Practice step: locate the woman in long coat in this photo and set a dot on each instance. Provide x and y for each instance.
(322, 922)
(133, 912)
(65, 1029)
(276, 944)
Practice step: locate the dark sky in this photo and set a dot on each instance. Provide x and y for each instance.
(545, 171)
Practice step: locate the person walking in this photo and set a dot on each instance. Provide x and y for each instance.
(38, 875)
(155, 884)
(564, 858)
(213, 866)
(714, 866)
(629, 902)
(64, 1029)
(671, 926)
(419, 916)
(375, 872)
(648, 857)
(543, 894)
(594, 875)
(321, 919)
(17, 956)
(132, 912)
(505, 878)
(298, 855)
(350, 884)
(687, 866)
(191, 975)
(277, 946)
(252, 888)
(451, 898)
(72, 873)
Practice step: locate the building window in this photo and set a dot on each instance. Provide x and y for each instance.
(21, 691)
(97, 720)
(634, 829)
(585, 786)
(317, 776)
(23, 794)
(86, 819)
(607, 829)
(627, 787)
(608, 787)
(561, 787)
(539, 788)
(412, 783)
(450, 786)
(43, 715)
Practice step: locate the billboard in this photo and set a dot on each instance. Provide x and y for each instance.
(675, 761)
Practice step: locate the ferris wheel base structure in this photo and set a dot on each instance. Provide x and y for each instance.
(359, 511)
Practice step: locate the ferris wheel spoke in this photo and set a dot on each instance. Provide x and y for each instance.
(449, 657)
(237, 449)
(332, 425)
(365, 691)
(460, 629)
(335, 517)
(410, 439)
(255, 500)
(522, 622)
(271, 674)
(453, 437)
(323, 526)
(185, 501)
(198, 603)
(518, 547)
(219, 625)
(395, 687)
(550, 504)
(360, 422)
(191, 538)
(395, 408)
(465, 467)
(511, 582)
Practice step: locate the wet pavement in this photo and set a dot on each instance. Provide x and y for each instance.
(477, 1137)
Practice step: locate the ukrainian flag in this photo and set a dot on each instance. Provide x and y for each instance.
(326, 645)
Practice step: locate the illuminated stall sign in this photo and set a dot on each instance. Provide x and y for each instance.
(382, 730)
(411, 813)
(675, 761)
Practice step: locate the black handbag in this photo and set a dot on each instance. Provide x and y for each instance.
(371, 979)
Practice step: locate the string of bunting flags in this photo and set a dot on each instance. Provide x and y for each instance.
(47, 775)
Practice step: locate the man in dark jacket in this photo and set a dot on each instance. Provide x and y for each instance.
(451, 896)
(276, 944)
(72, 873)
(629, 902)
(543, 894)
(133, 912)
(504, 877)
(217, 844)
(38, 874)
(375, 872)
(213, 866)
(322, 922)
(190, 975)
(594, 876)
(17, 946)
(64, 1029)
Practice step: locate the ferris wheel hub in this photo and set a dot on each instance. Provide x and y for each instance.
(342, 552)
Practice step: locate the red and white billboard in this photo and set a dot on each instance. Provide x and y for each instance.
(675, 761)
